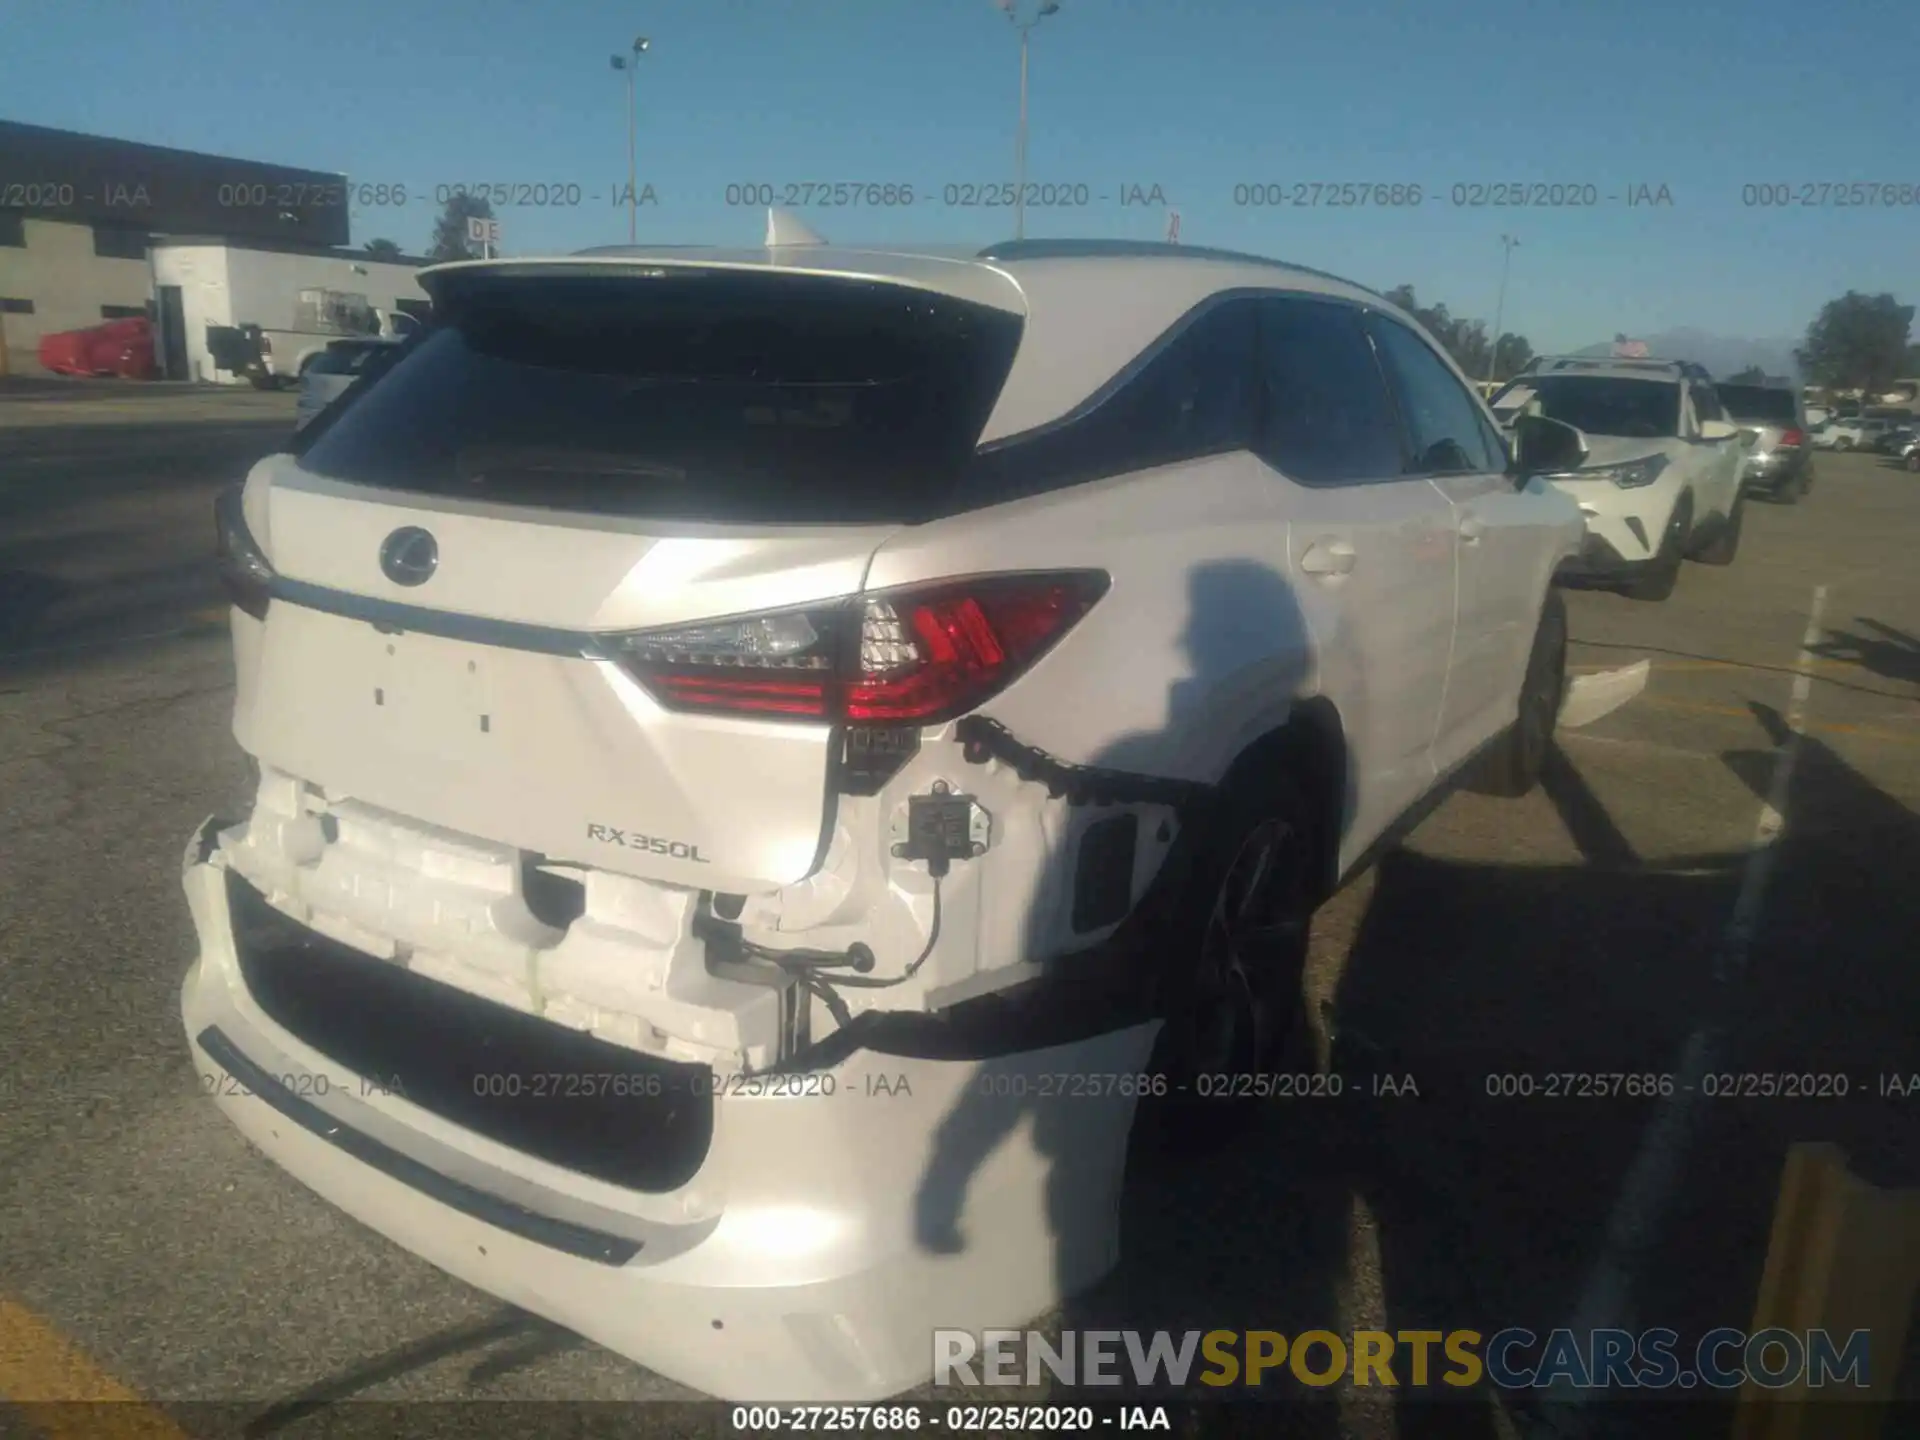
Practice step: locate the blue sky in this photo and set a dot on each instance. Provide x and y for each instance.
(1703, 98)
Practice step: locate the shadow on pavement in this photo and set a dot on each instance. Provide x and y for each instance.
(47, 470)
(1877, 648)
(106, 530)
(536, 1338)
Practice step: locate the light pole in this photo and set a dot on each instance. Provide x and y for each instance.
(1508, 246)
(1025, 27)
(631, 63)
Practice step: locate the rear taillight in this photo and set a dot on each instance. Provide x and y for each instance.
(916, 656)
(1790, 440)
(245, 573)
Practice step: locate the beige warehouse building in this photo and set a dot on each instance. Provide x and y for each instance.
(79, 215)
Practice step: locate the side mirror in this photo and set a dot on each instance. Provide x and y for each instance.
(1718, 430)
(1545, 447)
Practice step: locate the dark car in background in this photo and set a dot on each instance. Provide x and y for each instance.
(1779, 464)
(1895, 439)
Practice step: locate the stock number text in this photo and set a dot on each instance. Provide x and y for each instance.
(1813, 193)
(1311, 194)
(281, 196)
(835, 194)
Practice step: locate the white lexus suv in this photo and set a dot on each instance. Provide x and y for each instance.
(773, 762)
(1661, 483)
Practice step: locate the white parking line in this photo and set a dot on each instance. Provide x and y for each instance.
(1606, 1302)
(1649, 747)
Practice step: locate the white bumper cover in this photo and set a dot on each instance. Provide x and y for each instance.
(823, 1239)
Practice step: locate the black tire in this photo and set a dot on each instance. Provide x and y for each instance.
(1843, 445)
(1724, 546)
(1514, 766)
(1656, 582)
(1232, 998)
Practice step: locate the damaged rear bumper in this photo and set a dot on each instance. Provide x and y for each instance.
(788, 1237)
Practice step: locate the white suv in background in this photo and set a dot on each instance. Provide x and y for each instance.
(736, 728)
(1661, 483)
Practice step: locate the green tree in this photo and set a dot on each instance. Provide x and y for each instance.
(450, 240)
(383, 250)
(1858, 342)
(1752, 375)
(1511, 355)
(1465, 340)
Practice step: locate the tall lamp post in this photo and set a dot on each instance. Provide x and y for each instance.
(631, 63)
(1025, 27)
(1508, 246)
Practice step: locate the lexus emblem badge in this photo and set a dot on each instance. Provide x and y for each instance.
(409, 556)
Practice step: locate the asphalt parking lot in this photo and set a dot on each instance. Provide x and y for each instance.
(1604, 924)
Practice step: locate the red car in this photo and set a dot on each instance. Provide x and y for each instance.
(119, 347)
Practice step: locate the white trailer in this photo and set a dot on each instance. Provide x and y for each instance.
(288, 302)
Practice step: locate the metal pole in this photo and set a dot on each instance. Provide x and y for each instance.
(1499, 307)
(1020, 184)
(633, 132)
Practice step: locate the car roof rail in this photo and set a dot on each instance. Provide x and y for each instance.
(1151, 249)
(1547, 364)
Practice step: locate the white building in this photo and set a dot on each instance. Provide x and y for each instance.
(299, 298)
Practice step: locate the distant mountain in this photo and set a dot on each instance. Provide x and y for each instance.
(1723, 355)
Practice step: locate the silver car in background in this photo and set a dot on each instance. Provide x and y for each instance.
(328, 375)
(1778, 464)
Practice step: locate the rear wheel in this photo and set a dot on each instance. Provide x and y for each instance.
(1843, 444)
(1232, 1002)
(1514, 767)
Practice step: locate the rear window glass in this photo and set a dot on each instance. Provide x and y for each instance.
(1603, 405)
(342, 359)
(1758, 402)
(714, 397)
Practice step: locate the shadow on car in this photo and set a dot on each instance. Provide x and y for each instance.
(1455, 1200)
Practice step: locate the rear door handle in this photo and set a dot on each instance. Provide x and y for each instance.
(1328, 557)
(1471, 529)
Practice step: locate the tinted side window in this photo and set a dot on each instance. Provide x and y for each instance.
(1706, 404)
(1196, 396)
(1327, 417)
(1445, 422)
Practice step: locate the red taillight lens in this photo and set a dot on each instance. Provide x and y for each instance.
(1790, 439)
(963, 645)
(918, 656)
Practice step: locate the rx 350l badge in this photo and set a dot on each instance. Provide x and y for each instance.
(652, 844)
(409, 556)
